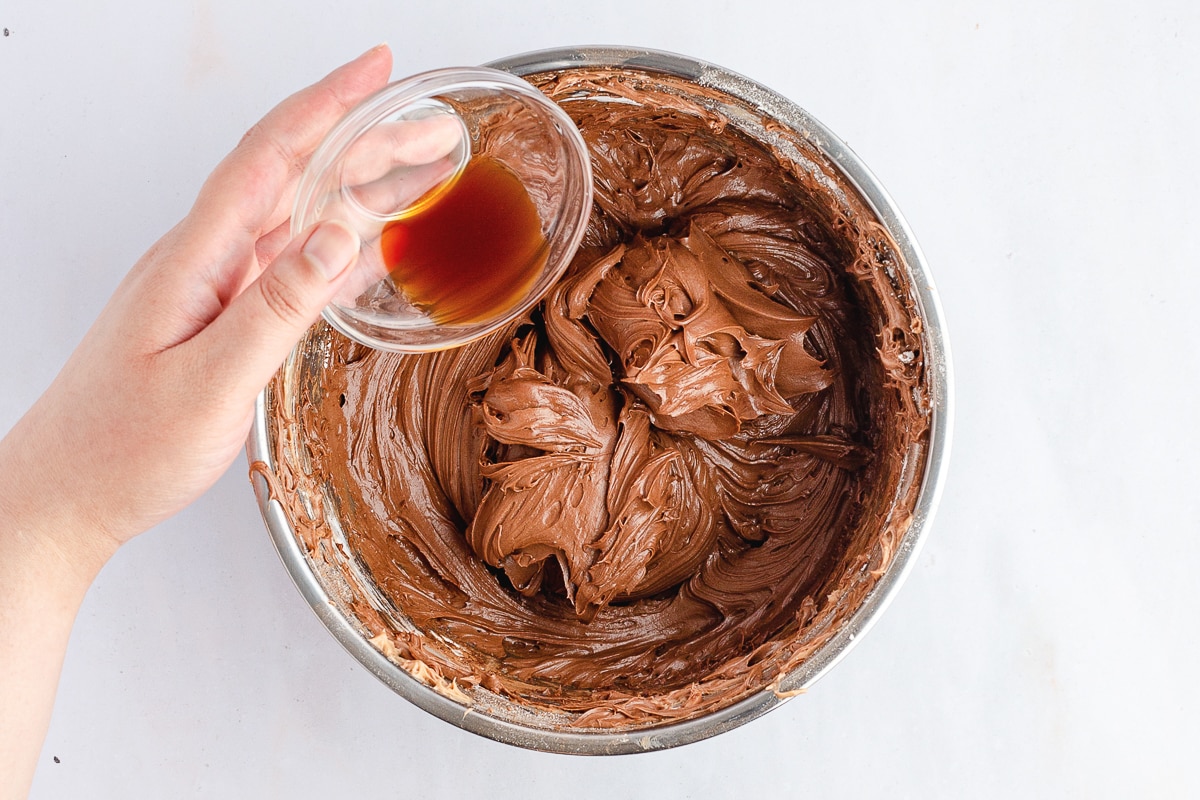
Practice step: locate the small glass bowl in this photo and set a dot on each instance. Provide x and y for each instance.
(397, 151)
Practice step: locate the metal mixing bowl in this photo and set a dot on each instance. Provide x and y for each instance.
(331, 594)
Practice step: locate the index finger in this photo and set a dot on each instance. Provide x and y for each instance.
(248, 191)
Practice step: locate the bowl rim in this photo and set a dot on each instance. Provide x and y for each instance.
(938, 366)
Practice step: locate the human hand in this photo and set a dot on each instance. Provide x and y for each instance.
(157, 400)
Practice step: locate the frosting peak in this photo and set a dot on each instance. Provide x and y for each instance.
(595, 482)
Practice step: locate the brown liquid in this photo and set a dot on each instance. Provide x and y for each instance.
(474, 251)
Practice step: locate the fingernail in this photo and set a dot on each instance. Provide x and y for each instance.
(381, 46)
(332, 247)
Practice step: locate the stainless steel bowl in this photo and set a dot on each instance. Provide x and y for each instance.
(330, 593)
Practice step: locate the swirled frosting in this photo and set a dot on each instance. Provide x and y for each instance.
(669, 483)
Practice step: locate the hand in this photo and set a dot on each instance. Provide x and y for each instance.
(156, 402)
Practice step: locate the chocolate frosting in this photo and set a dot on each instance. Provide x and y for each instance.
(666, 485)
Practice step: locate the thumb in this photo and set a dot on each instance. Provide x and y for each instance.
(262, 324)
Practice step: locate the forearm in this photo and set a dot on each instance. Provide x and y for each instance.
(46, 566)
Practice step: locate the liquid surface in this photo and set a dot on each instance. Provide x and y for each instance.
(473, 252)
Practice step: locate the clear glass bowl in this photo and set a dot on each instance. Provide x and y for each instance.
(399, 152)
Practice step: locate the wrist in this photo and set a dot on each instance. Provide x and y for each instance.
(41, 523)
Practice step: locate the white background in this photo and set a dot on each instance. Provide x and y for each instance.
(1045, 153)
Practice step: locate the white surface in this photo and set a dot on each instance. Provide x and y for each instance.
(1044, 154)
